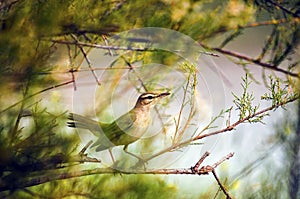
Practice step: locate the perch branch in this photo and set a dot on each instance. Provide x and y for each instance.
(36, 180)
(226, 129)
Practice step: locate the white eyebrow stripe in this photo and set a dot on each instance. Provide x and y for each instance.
(149, 95)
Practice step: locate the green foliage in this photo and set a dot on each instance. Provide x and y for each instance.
(244, 103)
(32, 144)
(279, 92)
(212, 17)
(104, 186)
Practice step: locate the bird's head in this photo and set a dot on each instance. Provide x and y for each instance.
(149, 99)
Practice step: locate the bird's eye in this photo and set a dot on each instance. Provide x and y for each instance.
(149, 97)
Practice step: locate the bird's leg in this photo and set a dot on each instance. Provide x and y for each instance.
(111, 155)
(115, 163)
(141, 160)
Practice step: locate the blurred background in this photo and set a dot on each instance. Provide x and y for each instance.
(225, 63)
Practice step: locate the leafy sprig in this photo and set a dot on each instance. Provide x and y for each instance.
(244, 103)
(279, 92)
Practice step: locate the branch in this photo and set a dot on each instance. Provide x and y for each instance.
(82, 157)
(123, 48)
(271, 22)
(227, 157)
(231, 127)
(37, 180)
(106, 43)
(282, 8)
(251, 60)
(197, 165)
(86, 147)
(104, 47)
(7, 5)
(87, 61)
(261, 23)
(178, 137)
(221, 186)
(226, 129)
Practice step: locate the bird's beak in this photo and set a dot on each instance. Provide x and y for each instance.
(163, 94)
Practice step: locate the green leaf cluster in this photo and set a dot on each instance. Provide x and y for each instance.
(279, 91)
(32, 143)
(244, 103)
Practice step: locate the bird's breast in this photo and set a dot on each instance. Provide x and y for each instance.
(141, 125)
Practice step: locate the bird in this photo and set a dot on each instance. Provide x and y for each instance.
(125, 130)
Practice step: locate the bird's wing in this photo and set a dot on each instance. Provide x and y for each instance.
(118, 128)
(108, 135)
(103, 142)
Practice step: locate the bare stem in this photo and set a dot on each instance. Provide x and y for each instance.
(200, 161)
(221, 185)
(87, 61)
(251, 60)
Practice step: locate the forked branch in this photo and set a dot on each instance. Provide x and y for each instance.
(47, 177)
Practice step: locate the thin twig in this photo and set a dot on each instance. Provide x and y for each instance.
(87, 61)
(104, 37)
(14, 131)
(251, 60)
(104, 47)
(231, 127)
(121, 48)
(221, 186)
(271, 22)
(229, 116)
(282, 8)
(197, 165)
(176, 139)
(85, 147)
(261, 23)
(73, 79)
(230, 155)
(82, 158)
(226, 129)
(34, 94)
(82, 70)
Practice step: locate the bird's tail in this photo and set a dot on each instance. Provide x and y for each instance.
(78, 121)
